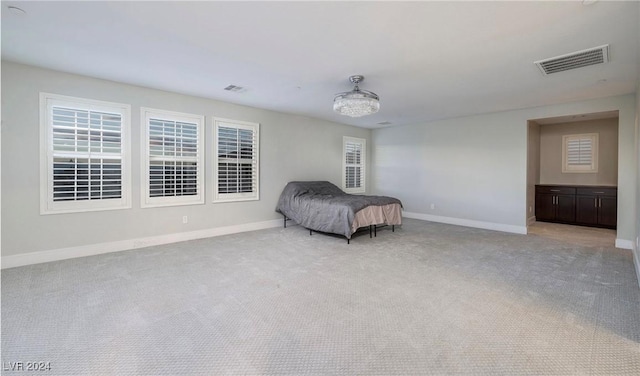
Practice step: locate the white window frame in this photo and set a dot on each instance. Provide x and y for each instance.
(146, 114)
(47, 155)
(242, 196)
(363, 157)
(582, 168)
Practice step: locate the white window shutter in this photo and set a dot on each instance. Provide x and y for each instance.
(85, 154)
(174, 173)
(236, 166)
(580, 153)
(87, 160)
(354, 150)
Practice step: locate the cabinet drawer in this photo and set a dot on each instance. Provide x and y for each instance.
(555, 189)
(596, 191)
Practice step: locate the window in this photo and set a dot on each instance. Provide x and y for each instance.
(236, 160)
(84, 155)
(580, 153)
(173, 158)
(353, 177)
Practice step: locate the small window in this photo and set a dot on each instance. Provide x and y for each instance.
(236, 167)
(353, 176)
(173, 158)
(580, 153)
(84, 154)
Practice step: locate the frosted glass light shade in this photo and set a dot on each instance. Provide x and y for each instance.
(356, 103)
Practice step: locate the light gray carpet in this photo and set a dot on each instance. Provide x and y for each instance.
(427, 299)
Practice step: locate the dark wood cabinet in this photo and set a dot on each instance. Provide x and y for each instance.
(565, 208)
(581, 205)
(545, 207)
(555, 204)
(597, 206)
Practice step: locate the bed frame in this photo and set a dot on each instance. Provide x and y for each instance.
(373, 229)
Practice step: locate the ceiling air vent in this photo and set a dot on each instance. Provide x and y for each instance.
(579, 59)
(234, 88)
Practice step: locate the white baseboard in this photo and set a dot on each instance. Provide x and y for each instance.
(624, 244)
(123, 245)
(467, 223)
(635, 251)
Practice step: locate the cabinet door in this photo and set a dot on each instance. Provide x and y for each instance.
(565, 208)
(608, 211)
(587, 210)
(545, 209)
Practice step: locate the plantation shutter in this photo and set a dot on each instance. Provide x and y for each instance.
(173, 158)
(237, 161)
(580, 153)
(353, 155)
(86, 154)
(354, 164)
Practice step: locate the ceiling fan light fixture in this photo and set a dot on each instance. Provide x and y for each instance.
(356, 103)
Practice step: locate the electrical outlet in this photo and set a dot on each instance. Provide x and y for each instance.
(185, 219)
(433, 206)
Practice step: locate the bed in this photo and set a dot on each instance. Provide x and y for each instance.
(321, 206)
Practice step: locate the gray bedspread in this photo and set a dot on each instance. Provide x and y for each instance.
(321, 206)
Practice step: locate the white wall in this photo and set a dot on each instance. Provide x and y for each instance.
(291, 148)
(636, 248)
(474, 169)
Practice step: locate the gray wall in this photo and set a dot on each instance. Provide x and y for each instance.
(636, 248)
(470, 168)
(533, 167)
(475, 168)
(551, 152)
(291, 148)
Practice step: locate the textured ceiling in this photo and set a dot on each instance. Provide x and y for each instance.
(426, 60)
